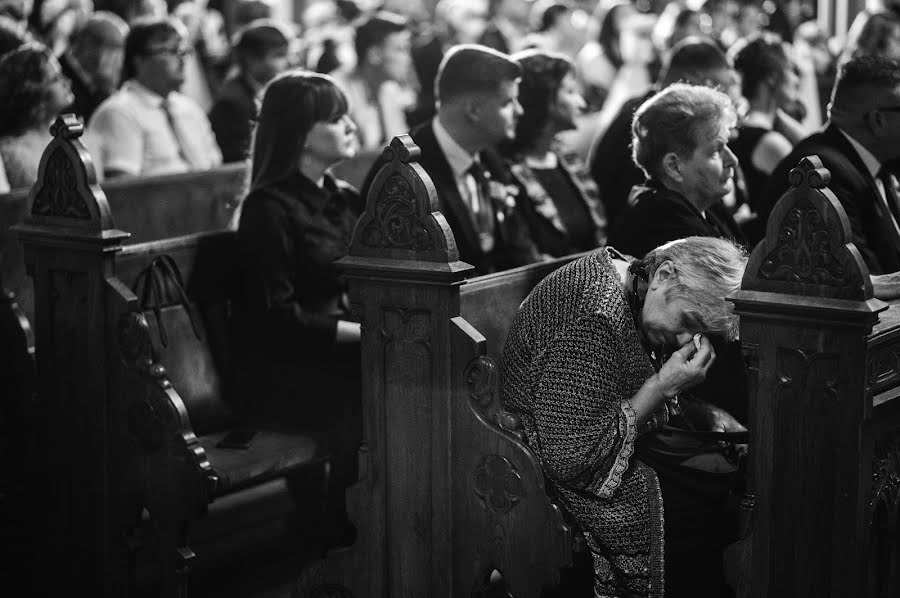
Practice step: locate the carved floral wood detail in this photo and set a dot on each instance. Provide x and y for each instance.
(482, 378)
(793, 367)
(408, 325)
(885, 495)
(145, 423)
(397, 223)
(58, 195)
(808, 248)
(497, 483)
(883, 368)
(803, 252)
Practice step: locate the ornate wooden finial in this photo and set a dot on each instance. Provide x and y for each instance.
(402, 219)
(66, 193)
(67, 126)
(808, 249)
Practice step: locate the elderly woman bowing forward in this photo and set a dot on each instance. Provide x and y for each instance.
(583, 368)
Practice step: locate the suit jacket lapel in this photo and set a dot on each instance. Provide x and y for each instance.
(452, 204)
(884, 216)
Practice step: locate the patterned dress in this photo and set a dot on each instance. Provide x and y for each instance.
(572, 361)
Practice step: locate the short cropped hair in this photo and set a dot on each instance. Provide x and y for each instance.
(863, 80)
(372, 32)
(758, 58)
(472, 68)
(259, 37)
(692, 59)
(707, 270)
(143, 31)
(674, 120)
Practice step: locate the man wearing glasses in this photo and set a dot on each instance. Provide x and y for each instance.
(148, 127)
(860, 146)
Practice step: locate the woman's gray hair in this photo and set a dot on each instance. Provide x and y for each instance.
(674, 120)
(707, 270)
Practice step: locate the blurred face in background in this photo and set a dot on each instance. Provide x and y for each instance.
(569, 105)
(271, 64)
(467, 19)
(394, 56)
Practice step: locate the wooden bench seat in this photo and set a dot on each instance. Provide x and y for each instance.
(148, 418)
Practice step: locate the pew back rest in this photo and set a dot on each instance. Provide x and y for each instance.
(195, 366)
(150, 208)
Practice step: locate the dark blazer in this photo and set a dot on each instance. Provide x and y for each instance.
(87, 95)
(660, 215)
(512, 243)
(232, 116)
(610, 161)
(870, 222)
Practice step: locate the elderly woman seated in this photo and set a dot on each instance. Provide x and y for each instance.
(587, 368)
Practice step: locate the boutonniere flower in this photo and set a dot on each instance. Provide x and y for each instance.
(503, 194)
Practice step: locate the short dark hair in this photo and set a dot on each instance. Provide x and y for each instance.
(259, 37)
(292, 103)
(758, 58)
(692, 59)
(472, 68)
(24, 87)
(373, 31)
(143, 31)
(862, 77)
(550, 16)
(672, 121)
(542, 75)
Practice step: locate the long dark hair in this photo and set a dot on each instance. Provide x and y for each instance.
(542, 76)
(293, 102)
(611, 32)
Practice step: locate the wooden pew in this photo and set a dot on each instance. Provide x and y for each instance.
(821, 516)
(128, 462)
(156, 207)
(449, 491)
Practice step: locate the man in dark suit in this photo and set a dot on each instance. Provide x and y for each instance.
(477, 107)
(261, 49)
(860, 146)
(693, 60)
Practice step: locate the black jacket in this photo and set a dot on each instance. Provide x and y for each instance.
(512, 243)
(870, 220)
(232, 116)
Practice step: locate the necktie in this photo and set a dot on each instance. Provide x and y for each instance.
(482, 210)
(890, 192)
(167, 110)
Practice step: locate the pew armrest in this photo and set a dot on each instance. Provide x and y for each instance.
(178, 482)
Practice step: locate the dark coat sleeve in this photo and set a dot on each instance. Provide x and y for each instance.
(231, 123)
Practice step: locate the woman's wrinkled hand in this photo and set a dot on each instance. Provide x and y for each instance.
(686, 367)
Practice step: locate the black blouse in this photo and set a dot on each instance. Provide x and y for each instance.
(290, 235)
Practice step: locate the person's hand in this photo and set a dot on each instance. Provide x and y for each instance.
(686, 367)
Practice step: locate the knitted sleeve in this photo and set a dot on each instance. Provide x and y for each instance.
(583, 418)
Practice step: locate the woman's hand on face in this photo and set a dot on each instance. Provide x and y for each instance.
(686, 367)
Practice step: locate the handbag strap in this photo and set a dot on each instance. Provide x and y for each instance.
(156, 283)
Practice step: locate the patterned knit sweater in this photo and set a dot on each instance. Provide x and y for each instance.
(571, 362)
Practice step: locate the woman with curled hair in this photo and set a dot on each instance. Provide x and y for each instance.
(298, 345)
(560, 202)
(593, 366)
(770, 84)
(33, 91)
(680, 140)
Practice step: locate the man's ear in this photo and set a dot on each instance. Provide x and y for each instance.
(472, 108)
(874, 120)
(671, 167)
(663, 274)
